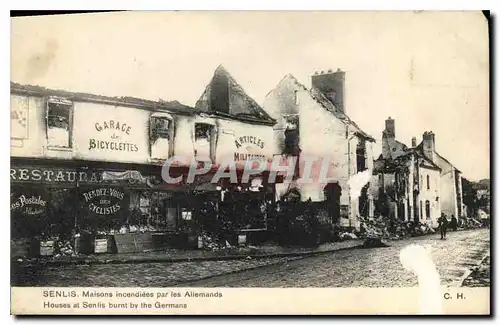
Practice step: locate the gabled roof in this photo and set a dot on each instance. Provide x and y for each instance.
(246, 109)
(171, 106)
(420, 148)
(330, 107)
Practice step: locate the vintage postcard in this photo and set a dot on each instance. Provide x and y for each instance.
(250, 163)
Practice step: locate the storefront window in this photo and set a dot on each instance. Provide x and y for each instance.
(28, 212)
(159, 211)
(104, 209)
(145, 203)
(187, 215)
(246, 209)
(42, 213)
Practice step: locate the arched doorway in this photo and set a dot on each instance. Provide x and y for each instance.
(332, 193)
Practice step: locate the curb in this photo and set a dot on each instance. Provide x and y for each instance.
(177, 260)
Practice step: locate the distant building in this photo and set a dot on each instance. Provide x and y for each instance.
(450, 177)
(417, 183)
(313, 123)
(406, 183)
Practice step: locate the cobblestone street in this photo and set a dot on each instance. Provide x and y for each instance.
(377, 267)
(481, 277)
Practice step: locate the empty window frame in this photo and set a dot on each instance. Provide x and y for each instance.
(292, 135)
(427, 209)
(59, 122)
(161, 136)
(204, 135)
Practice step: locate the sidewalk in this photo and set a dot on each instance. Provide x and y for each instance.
(178, 255)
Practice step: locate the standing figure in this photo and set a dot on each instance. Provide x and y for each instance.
(454, 223)
(443, 224)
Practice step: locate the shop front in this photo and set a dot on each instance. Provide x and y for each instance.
(82, 209)
(237, 213)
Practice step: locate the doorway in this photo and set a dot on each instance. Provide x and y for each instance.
(332, 193)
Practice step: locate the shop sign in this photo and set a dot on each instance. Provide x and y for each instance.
(117, 129)
(111, 133)
(53, 176)
(29, 205)
(104, 201)
(71, 177)
(247, 146)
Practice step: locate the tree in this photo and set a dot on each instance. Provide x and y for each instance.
(469, 196)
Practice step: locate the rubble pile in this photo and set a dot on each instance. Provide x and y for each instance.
(65, 248)
(347, 236)
(392, 229)
(470, 223)
(211, 244)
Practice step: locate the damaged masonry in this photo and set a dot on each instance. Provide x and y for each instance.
(122, 175)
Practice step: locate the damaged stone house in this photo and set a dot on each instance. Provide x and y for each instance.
(413, 183)
(241, 131)
(406, 184)
(312, 125)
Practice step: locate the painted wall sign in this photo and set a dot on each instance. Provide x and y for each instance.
(249, 140)
(30, 205)
(104, 201)
(250, 144)
(19, 113)
(53, 176)
(69, 177)
(115, 127)
(111, 133)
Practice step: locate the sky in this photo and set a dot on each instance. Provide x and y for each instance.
(427, 70)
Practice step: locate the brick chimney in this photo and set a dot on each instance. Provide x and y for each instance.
(388, 138)
(413, 142)
(429, 144)
(332, 85)
(390, 128)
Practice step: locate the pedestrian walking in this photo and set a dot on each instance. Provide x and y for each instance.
(443, 224)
